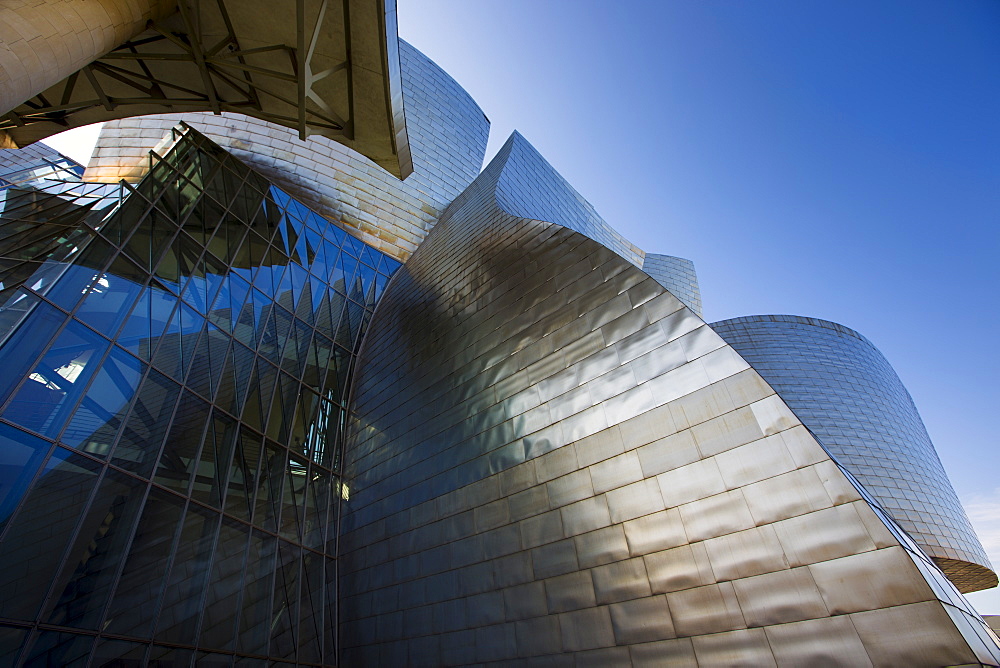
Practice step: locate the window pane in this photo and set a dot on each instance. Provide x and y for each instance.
(81, 591)
(45, 400)
(33, 546)
(138, 592)
(100, 414)
(147, 424)
(218, 625)
(19, 353)
(20, 456)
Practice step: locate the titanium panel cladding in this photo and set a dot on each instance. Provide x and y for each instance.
(550, 458)
(447, 137)
(846, 392)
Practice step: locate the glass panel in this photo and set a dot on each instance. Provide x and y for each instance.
(222, 605)
(73, 284)
(66, 650)
(285, 613)
(150, 239)
(282, 409)
(15, 309)
(117, 654)
(255, 619)
(81, 591)
(147, 424)
(11, 640)
(101, 412)
(144, 327)
(209, 358)
(311, 608)
(243, 367)
(170, 657)
(216, 455)
(110, 298)
(246, 458)
(268, 494)
(180, 449)
(21, 350)
(135, 601)
(209, 660)
(188, 575)
(179, 341)
(330, 618)
(33, 545)
(49, 394)
(20, 456)
(293, 497)
(317, 500)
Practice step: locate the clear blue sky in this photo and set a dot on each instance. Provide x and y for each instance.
(831, 159)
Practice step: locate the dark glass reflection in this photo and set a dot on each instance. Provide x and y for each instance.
(182, 350)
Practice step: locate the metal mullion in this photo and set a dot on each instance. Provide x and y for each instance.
(63, 563)
(83, 393)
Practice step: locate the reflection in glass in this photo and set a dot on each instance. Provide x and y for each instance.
(51, 391)
(191, 341)
(39, 532)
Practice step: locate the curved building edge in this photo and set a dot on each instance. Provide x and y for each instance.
(676, 274)
(550, 455)
(842, 387)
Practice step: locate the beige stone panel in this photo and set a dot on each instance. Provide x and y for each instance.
(679, 568)
(586, 629)
(716, 516)
(602, 546)
(621, 581)
(652, 533)
(787, 495)
(746, 553)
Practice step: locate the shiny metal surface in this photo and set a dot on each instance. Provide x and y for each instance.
(846, 392)
(592, 454)
(678, 276)
(334, 180)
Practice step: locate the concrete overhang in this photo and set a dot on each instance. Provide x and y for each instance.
(321, 67)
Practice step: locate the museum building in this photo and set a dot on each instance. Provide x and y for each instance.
(290, 378)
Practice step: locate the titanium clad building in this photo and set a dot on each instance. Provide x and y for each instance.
(845, 391)
(266, 403)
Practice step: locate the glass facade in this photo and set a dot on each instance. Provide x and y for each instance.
(176, 357)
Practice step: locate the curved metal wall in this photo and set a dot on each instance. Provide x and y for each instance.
(536, 190)
(447, 136)
(551, 458)
(677, 275)
(844, 389)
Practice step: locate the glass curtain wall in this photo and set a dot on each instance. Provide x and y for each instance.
(175, 359)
